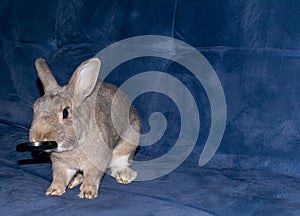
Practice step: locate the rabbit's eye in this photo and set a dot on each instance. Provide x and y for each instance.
(65, 113)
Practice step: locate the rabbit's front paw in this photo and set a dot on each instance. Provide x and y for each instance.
(124, 175)
(55, 190)
(88, 192)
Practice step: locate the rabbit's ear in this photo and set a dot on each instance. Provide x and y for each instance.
(84, 80)
(45, 75)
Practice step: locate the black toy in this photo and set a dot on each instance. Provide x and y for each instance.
(36, 146)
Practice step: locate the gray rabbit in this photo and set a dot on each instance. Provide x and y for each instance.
(94, 124)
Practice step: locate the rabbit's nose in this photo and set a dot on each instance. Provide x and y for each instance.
(40, 136)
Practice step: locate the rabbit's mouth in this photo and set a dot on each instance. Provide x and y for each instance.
(62, 147)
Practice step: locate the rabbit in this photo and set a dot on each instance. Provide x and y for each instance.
(94, 124)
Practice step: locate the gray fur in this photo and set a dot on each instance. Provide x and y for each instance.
(88, 142)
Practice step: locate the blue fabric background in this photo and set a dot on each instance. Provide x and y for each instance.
(253, 45)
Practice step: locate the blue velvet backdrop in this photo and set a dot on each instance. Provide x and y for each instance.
(253, 45)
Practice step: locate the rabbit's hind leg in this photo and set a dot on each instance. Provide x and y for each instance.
(124, 175)
(76, 180)
(121, 159)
